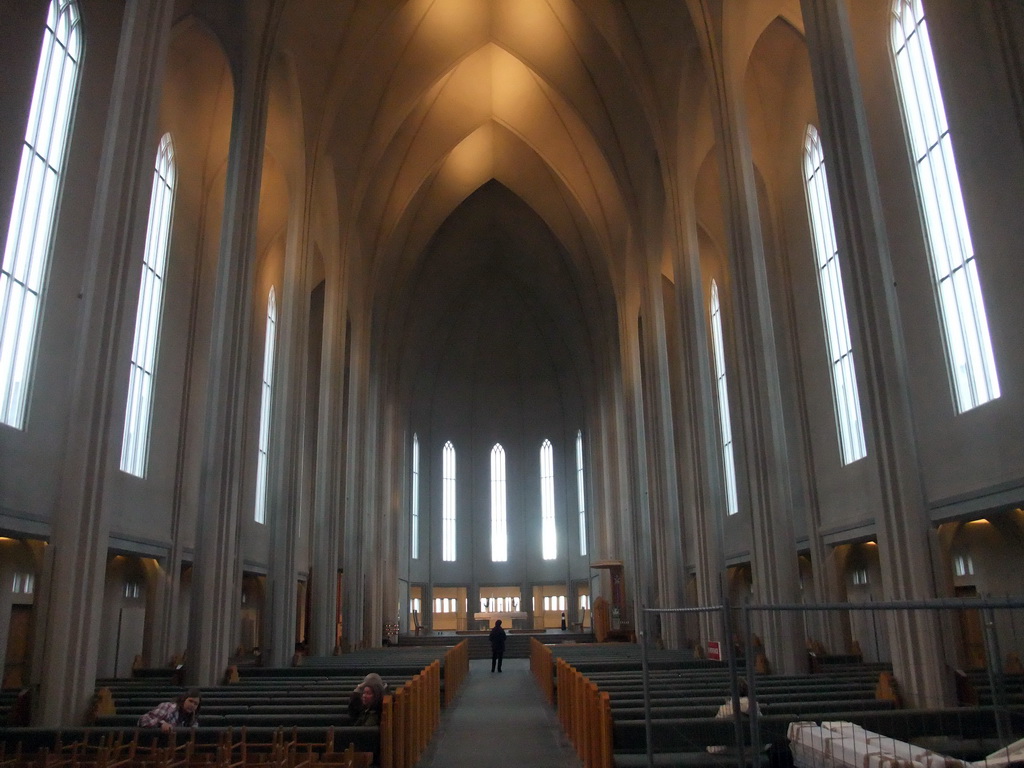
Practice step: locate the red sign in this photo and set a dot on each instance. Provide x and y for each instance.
(714, 650)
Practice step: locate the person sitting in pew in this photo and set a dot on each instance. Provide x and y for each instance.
(183, 712)
(365, 702)
(726, 710)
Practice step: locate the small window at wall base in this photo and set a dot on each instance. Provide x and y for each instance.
(860, 577)
(142, 374)
(957, 283)
(963, 565)
(34, 211)
(23, 583)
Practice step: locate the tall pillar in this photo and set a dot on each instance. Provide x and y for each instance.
(756, 400)
(355, 517)
(329, 492)
(638, 536)
(667, 535)
(903, 525)
(216, 581)
(75, 562)
(286, 449)
(707, 491)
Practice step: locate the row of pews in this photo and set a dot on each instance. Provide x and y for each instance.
(299, 714)
(599, 692)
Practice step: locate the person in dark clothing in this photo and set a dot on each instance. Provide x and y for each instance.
(497, 637)
(365, 702)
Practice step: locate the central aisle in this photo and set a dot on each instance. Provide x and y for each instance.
(499, 720)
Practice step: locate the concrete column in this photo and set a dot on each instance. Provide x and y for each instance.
(638, 536)
(903, 525)
(394, 508)
(359, 456)
(329, 501)
(286, 446)
(664, 488)
(213, 614)
(706, 494)
(756, 398)
(75, 562)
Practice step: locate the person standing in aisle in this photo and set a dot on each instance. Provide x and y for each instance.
(497, 638)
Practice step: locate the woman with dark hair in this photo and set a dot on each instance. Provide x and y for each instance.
(183, 712)
(364, 704)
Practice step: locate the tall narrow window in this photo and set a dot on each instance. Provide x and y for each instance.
(499, 526)
(414, 538)
(448, 503)
(266, 399)
(33, 215)
(579, 493)
(833, 302)
(961, 307)
(549, 536)
(728, 461)
(139, 408)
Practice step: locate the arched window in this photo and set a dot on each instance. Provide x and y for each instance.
(448, 502)
(414, 493)
(139, 408)
(266, 400)
(833, 302)
(728, 461)
(579, 493)
(549, 536)
(499, 525)
(961, 307)
(33, 215)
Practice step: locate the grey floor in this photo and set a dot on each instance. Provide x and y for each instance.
(499, 720)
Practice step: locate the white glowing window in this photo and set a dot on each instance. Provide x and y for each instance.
(579, 493)
(142, 373)
(725, 424)
(437, 605)
(954, 270)
(549, 535)
(448, 502)
(585, 602)
(34, 212)
(963, 565)
(414, 493)
(499, 525)
(846, 398)
(132, 590)
(23, 583)
(266, 399)
(547, 603)
(860, 577)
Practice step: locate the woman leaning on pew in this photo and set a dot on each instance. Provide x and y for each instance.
(183, 712)
(364, 704)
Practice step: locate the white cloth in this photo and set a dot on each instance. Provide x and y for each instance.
(725, 711)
